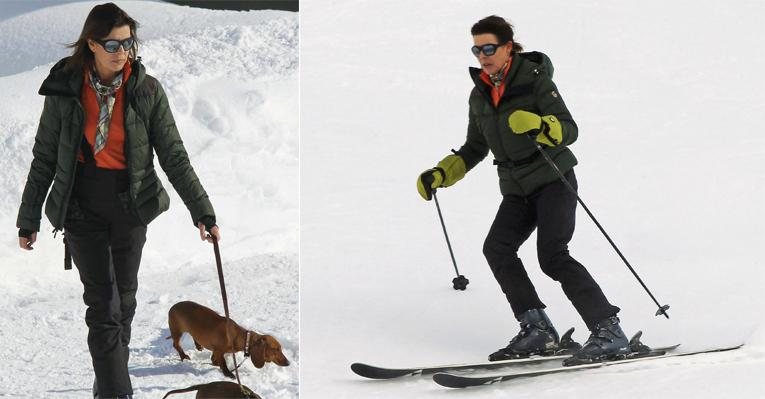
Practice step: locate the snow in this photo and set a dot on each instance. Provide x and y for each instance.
(668, 98)
(232, 82)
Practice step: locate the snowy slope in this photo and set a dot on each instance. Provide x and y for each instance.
(232, 82)
(668, 98)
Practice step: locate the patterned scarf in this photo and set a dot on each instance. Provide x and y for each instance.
(106, 96)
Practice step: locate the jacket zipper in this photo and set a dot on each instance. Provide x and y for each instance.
(65, 202)
(128, 106)
(499, 130)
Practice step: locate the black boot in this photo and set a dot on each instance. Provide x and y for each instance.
(607, 342)
(537, 337)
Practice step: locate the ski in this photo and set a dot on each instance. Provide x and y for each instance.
(567, 345)
(384, 373)
(464, 381)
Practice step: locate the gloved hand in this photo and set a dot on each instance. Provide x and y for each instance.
(546, 129)
(449, 171)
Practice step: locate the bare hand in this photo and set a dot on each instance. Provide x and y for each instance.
(206, 237)
(26, 243)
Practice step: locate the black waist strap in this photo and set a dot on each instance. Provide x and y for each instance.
(515, 163)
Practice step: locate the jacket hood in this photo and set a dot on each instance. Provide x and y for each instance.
(544, 65)
(63, 81)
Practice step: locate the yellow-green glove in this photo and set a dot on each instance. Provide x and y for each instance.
(546, 129)
(449, 171)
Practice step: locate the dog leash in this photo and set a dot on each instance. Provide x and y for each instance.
(219, 264)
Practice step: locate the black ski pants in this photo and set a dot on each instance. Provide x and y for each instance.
(551, 210)
(106, 241)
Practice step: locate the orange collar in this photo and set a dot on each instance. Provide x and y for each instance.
(485, 76)
(497, 91)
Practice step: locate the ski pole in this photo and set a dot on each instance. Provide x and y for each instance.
(459, 282)
(662, 309)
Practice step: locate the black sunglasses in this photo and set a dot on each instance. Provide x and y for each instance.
(487, 49)
(113, 45)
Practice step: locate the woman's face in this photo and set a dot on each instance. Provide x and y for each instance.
(110, 63)
(491, 64)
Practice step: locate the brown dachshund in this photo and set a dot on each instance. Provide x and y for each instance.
(208, 329)
(216, 390)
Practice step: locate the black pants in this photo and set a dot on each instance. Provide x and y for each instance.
(105, 241)
(552, 210)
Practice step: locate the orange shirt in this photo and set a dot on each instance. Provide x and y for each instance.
(113, 154)
(496, 92)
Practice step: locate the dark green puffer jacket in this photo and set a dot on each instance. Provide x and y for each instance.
(149, 126)
(529, 87)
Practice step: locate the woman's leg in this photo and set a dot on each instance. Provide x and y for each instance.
(511, 227)
(89, 244)
(556, 210)
(127, 240)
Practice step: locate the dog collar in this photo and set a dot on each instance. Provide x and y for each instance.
(247, 344)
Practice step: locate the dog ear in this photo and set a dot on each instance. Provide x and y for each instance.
(258, 352)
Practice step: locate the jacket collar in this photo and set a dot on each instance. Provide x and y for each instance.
(66, 82)
(515, 66)
(537, 62)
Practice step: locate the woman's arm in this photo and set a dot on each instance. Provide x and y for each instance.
(44, 157)
(550, 102)
(475, 148)
(174, 160)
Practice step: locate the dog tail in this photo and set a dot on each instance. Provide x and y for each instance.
(168, 337)
(189, 389)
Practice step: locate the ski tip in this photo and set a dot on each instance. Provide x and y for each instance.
(381, 373)
(362, 369)
(458, 381)
(448, 380)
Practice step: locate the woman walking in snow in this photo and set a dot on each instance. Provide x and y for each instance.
(513, 103)
(102, 120)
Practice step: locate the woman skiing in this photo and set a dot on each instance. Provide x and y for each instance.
(102, 120)
(514, 103)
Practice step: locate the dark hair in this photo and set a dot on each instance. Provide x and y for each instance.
(499, 28)
(100, 21)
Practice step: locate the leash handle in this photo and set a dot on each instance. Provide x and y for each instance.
(219, 264)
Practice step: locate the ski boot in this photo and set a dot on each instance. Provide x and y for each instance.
(607, 342)
(537, 337)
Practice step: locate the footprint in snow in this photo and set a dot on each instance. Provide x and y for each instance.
(209, 115)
